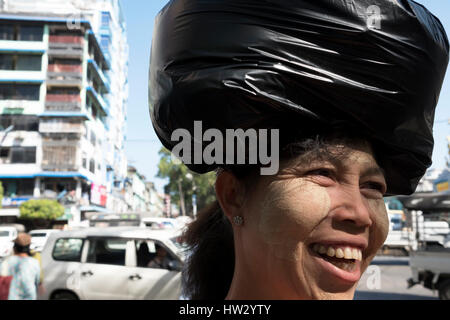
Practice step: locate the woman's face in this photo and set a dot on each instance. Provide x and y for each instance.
(311, 230)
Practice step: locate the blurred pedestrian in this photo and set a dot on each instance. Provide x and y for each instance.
(24, 269)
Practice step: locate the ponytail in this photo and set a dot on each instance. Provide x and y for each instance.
(210, 266)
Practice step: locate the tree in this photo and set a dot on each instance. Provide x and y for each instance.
(41, 209)
(178, 176)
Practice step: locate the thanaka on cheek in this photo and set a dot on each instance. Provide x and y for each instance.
(290, 211)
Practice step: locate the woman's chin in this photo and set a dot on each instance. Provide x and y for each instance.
(328, 281)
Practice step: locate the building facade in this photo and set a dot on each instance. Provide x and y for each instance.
(63, 101)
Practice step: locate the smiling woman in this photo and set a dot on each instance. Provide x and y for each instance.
(351, 87)
(308, 232)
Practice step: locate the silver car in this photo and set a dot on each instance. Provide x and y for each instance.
(111, 264)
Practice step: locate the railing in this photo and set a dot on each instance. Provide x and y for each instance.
(59, 158)
(65, 68)
(62, 106)
(51, 97)
(65, 39)
(72, 49)
(64, 78)
(60, 126)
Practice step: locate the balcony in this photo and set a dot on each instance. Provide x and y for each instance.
(58, 125)
(63, 102)
(98, 99)
(64, 79)
(100, 74)
(66, 46)
(59, 156)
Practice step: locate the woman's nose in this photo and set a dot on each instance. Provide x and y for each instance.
(352, 207)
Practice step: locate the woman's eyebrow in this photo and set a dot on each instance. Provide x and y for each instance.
(373, 171)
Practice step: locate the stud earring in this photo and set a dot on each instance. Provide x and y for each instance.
(238, 220)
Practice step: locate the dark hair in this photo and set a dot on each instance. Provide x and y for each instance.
(21, 249)
(209, 268)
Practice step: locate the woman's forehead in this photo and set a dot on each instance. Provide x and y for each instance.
(358, 152)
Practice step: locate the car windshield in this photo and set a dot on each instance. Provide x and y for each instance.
(38, 235)
(177, 241)
(4, 233)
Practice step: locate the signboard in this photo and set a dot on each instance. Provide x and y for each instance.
(13, 111)
(167, 205)
(442, 186)
(13, 202)
(98, 195)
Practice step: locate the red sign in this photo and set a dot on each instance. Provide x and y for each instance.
(98, 195)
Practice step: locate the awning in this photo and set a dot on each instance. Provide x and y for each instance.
(11, 212)
(64, 115)
(48, 174)
(427, 201)
(94, 208)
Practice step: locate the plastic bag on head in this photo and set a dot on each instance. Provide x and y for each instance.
(374, 65)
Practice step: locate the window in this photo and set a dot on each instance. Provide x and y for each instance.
(38, 235)
(6, 32)
(19, 92)
(30, 33)
(20, 122)
(68, 250)
(107, 251)
(104, 42)
(18, 187)
(6, 62)
(58, 185)
(93, 138)
(23, 154)
(4, 154)
(28, 62)
(23, 62)
(92, 166)
(84, 161)
(21, 32)
(106, 18)
(147, 251)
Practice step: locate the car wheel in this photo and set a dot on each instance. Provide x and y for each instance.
(64, 296)
(444, 290)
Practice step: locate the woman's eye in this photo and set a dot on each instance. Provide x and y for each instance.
(375, 186)
(321, 172)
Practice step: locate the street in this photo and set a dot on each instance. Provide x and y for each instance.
(385, 279)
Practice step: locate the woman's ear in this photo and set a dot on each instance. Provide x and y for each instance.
(230, 193)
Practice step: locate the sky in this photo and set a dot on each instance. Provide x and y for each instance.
(142, 145)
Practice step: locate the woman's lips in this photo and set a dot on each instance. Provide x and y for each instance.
(341, 261)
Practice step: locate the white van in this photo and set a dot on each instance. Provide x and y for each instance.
(110, 264)
(7, 237)
(39, 237)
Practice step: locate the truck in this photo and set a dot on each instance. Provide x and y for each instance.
(429, 257)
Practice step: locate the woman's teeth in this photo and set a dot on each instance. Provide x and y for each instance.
(338, 252)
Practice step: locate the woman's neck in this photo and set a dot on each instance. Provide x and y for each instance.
(22, 254)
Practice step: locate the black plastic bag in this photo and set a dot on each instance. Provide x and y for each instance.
(374, 65)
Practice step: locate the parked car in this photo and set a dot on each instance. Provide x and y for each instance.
(39, 237)
(110, 264)
(7, 237)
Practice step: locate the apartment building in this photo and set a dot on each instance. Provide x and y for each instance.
(63, 100)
